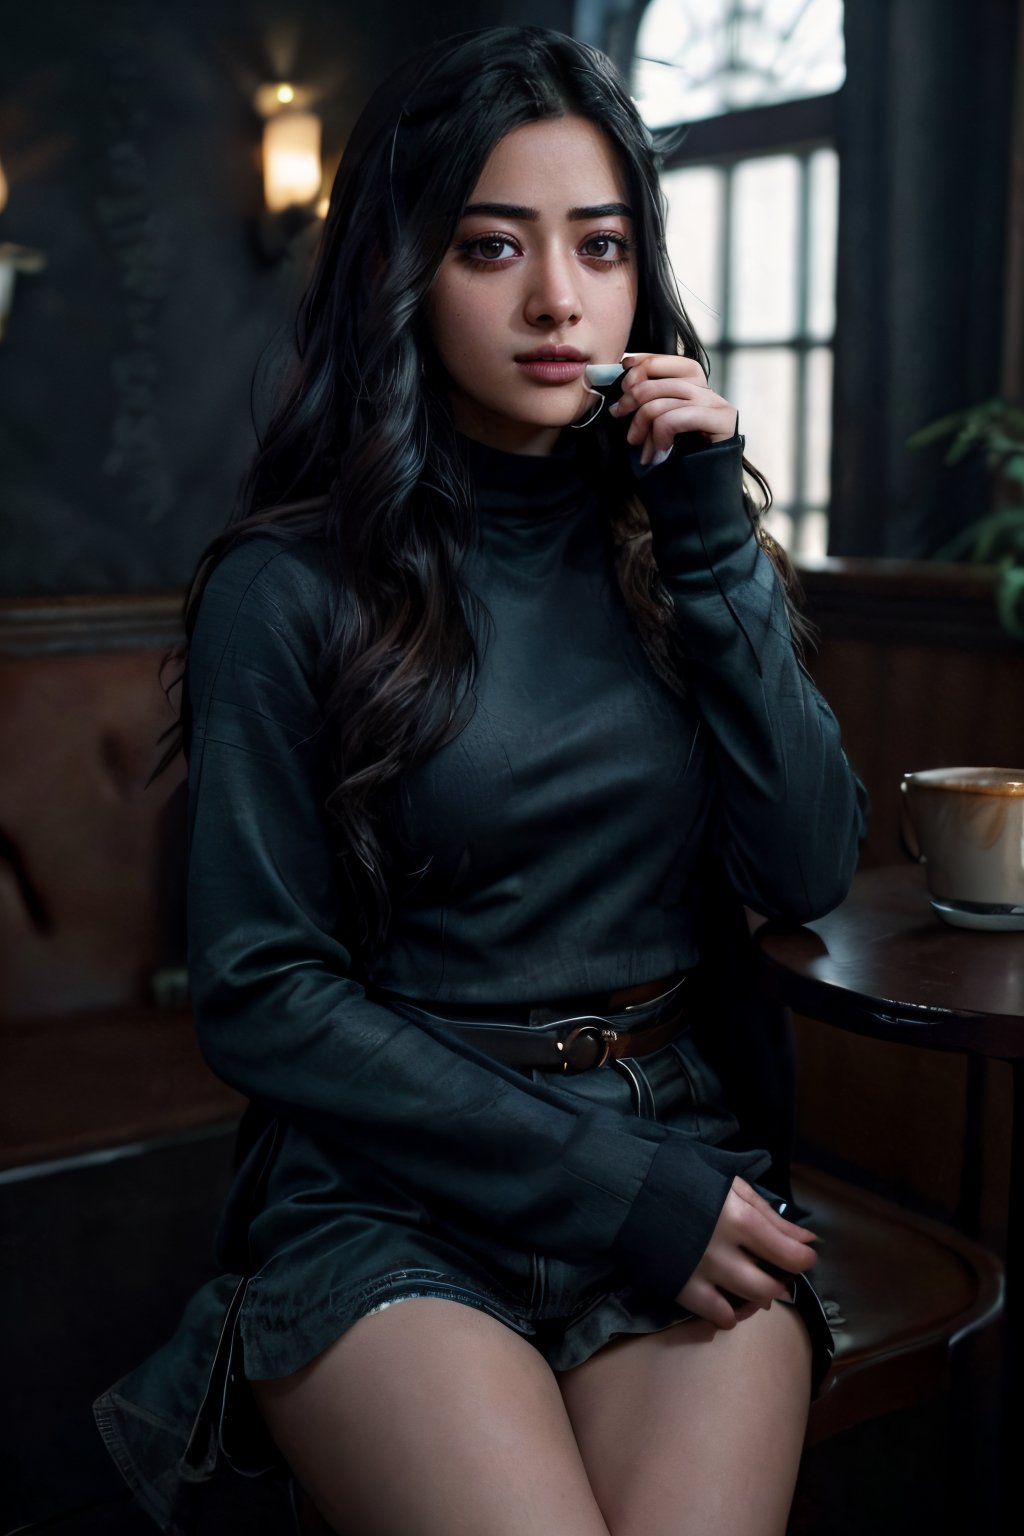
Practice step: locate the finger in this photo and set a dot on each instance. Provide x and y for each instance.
(754, 1197)
(750, 1229)
(640, 391)
(771, 1246)
(636, 369)
(749, 1309)
(784, 1224)
(656, 365)
(718, 415)
(651, 369)
(676, 388)
(742, 1277)
(706, 1301)
(664, 365)
(681, 418)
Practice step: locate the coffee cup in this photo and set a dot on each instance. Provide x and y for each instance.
(967, 826)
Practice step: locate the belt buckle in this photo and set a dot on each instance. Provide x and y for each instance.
(594, 1032)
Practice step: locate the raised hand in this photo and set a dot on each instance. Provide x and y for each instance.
(666, 395)
(747, 1230)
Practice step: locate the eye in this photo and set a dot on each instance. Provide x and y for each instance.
(488, 249)
(607, 249)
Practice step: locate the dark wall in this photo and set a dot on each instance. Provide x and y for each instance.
(131, 147)
(926, 128)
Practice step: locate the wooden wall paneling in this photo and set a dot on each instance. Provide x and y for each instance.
(892, 1111)
(89, 853)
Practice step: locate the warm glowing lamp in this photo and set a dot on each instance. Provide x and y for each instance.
(13, 259)
(291, 159)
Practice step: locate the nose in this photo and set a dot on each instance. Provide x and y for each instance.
(553, 297)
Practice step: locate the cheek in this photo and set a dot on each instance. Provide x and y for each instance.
(448, 320)
(623, 304)
(462, 326)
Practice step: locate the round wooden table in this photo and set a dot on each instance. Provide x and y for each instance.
(885, 964)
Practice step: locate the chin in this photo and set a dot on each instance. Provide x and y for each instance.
(519, 416)
(559, 413)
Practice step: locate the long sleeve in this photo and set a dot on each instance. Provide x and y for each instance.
(792, 810)
(281, 1017)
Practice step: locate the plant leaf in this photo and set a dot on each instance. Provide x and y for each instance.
(970, 437)
(1010, 599)
(936, 429)
(980, 541)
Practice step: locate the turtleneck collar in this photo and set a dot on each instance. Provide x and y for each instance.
(525, 488)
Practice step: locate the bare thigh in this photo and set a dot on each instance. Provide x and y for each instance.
(431, 1418)
(695, 1431)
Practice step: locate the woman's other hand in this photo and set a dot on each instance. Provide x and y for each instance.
(747, 1230)
(667, 395)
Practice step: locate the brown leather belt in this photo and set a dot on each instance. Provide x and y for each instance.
(579, 1042)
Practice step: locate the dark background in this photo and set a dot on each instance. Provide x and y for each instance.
(132, 151)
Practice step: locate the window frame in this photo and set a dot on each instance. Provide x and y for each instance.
(790, 127)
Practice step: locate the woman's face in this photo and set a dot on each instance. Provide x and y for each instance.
(541, 267)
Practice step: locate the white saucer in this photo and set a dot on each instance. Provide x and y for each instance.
(1004, 921)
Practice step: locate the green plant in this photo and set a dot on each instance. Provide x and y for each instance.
(997, 430)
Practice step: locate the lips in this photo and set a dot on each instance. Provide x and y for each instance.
(552, 354)
(552, 365)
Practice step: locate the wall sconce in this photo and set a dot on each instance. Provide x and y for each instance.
(292, 172)
(13, 259)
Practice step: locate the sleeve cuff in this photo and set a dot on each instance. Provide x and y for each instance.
(695, 505)
(675, 1213)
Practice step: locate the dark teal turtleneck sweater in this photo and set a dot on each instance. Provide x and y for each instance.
(555, 847)
(556, 839)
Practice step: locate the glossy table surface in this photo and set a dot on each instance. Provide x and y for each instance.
(885, 964)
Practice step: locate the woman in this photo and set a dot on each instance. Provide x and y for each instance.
(483, 715)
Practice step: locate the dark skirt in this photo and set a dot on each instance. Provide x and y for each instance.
(333, 1240)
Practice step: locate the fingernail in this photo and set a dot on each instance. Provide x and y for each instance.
(613, 409)
(660, 457)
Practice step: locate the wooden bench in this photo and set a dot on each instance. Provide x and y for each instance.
(115, 1138)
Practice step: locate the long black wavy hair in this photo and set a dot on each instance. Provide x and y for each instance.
(361, 451)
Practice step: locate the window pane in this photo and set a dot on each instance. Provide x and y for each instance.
(821, 263)
(697, 58)
(818, 425)
(809, 54)
(764, 248)
(812, 538)
(695, 243)
(780, 525)
(680, 56)
(762, 386)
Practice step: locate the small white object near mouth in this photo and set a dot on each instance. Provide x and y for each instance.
(600, 375)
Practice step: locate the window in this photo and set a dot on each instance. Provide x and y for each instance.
(753, 207)
(699, 58)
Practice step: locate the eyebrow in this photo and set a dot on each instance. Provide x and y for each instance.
(517, 211)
